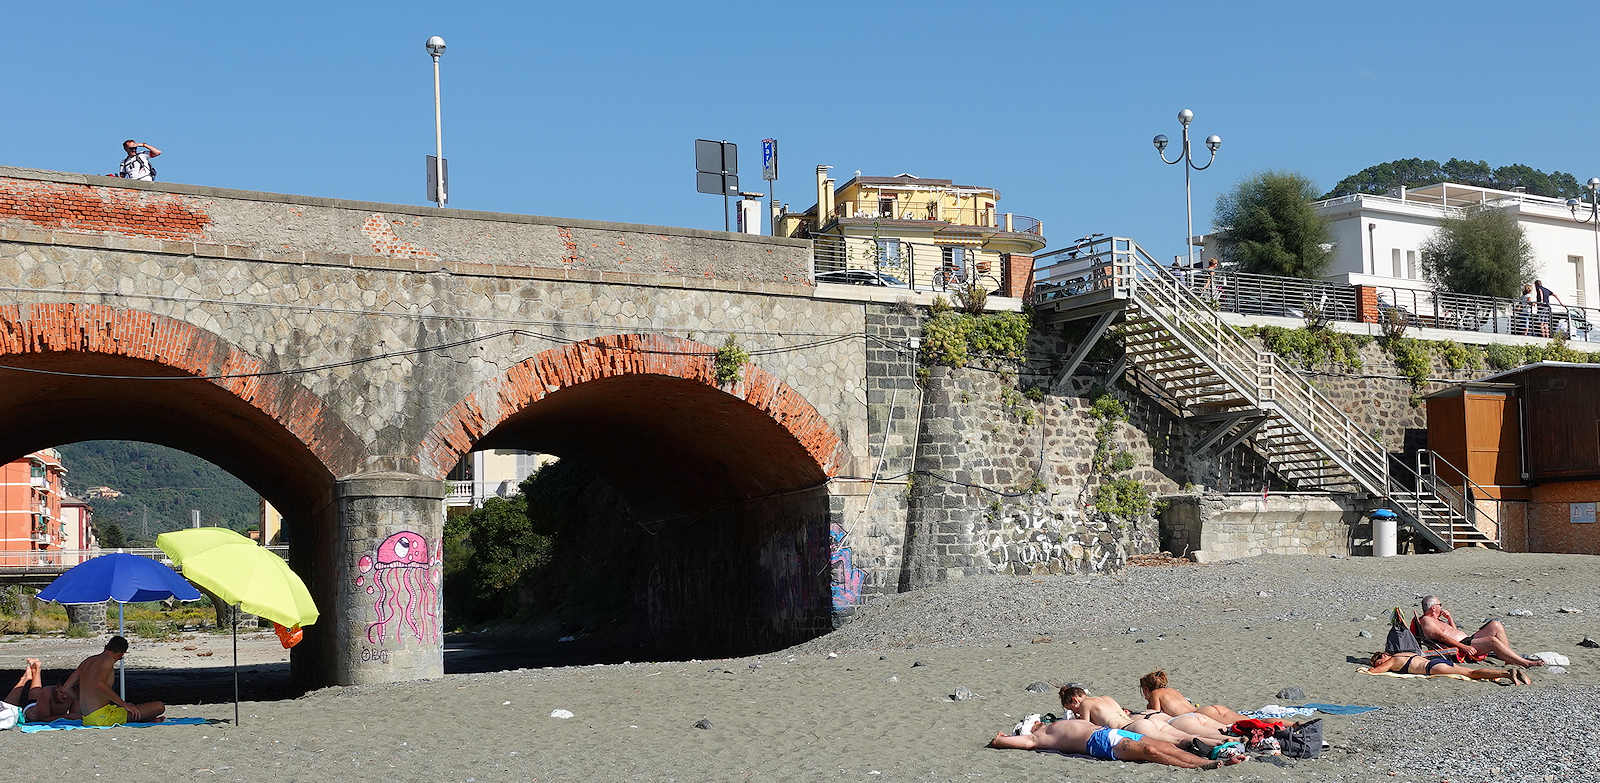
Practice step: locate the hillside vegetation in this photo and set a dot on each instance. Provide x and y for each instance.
(159, 486)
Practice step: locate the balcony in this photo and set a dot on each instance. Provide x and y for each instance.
(458, 493)
(969, 216)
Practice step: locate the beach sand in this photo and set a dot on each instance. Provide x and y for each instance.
(871, 713)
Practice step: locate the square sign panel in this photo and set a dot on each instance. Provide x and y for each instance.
(716, 157)
(705, 182)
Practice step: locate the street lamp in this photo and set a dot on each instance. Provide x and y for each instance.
(435, 46)
(1212, 143)
(1593, 217)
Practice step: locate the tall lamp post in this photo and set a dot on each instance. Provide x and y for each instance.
(1212, 143)
(435, 46)
(1593, 216)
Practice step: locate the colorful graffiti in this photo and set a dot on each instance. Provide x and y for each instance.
(403, 564)
(847, 579)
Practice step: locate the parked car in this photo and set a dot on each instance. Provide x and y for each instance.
(860, 277)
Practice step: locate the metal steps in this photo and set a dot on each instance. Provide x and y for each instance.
(1178, 346)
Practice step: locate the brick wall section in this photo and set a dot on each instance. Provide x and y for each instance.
(1018, 275)
(183, 349)
(56, 205)
(530, 381)
(1549, 520)
(1367, 304)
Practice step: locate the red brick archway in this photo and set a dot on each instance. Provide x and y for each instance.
(270, 431)
(649, 406)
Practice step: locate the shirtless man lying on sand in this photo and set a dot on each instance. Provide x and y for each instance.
(1416, 663)
(1105, 711)
(1158, 696)
(1081, 736)
(40, 703)
(97, 699)
(1437, 624)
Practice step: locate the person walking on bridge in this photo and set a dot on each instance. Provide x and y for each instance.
(137, 164)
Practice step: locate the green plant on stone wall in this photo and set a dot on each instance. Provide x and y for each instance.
(1459, 357)
(1312, 348)
(1412, 358)
(953, 339)
(1116, 494)
(1124, 497)
(729, 361)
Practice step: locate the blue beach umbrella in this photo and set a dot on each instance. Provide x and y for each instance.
(119, 577)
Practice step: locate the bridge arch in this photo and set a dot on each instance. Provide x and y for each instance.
(78, 372)
(639, 402)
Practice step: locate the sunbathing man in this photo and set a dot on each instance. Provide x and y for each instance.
(1081, 736)
(97, 699)
(1158, 696)
(1105, 711)
(1437, 624)
(1416, 663)
(40, 703)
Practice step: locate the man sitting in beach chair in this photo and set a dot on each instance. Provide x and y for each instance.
(1437, 625)
(1159, 696)
(97, 699)
(1105, 711)
(1081, 736)
(1416, 663)
(37, 702)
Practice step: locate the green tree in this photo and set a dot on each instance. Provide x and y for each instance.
(112, 537)
(1266, 225)
(1483, 252)
(1384, 177)
(505, 547)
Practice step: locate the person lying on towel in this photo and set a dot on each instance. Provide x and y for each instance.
(1081, 736)
(37, 702)
(1105, 711)
(1161, 697)
(1437, 625)
(1416, 663)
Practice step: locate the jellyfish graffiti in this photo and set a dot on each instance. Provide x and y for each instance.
(404, 565)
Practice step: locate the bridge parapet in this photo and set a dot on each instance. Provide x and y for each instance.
(225, 223)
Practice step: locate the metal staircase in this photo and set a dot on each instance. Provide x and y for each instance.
(1176, 341)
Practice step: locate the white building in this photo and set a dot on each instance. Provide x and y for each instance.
(491, 473)
(1378, 239)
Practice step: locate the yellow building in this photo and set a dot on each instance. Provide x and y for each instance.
(918, 233)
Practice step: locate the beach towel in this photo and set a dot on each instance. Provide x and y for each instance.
(1276, 711)
(1339, 709)
(68, 725)
(1553, 658)
(1364, 670)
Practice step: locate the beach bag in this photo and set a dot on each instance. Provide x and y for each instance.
(1302, 740)
(1401, 639)
(9, 715)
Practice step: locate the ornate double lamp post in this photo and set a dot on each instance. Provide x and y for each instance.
(1185, 157)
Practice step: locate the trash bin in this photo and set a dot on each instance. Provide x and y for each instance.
(1383, 532)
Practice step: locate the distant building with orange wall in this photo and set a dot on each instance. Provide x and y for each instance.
(30, 508)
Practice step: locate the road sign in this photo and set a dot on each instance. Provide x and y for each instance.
(716, 167)
(716, 184)
(769, 160)
(433, 180)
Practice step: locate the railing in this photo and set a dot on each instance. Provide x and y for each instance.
(458, 490)
(1263, 378)
(27, 561)
(1488, 314)
(913, 266)
(1462, 499)
(961, 216)
(1022, 224)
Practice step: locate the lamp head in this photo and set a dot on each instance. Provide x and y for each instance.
(1160, 141)
(1572, 204)
(1185, 117)
(1594, 182)
(435, 45)
(1213, 142)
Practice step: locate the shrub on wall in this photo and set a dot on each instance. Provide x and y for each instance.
(730, 359)
(1119, 495)
(1312, 348)
(952, 338)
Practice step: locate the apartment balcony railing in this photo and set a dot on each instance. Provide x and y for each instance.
(458, 493)
(968, 216)
(912, 266)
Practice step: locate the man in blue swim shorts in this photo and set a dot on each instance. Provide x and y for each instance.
(1085, 738)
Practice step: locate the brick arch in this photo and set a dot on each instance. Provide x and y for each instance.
(104, 340)
(755, 416)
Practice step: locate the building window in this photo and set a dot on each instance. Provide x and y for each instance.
(954, 258)
(1399, 265)
(888, 252)
(886, 206)
(1411, 265)
(1578, 287)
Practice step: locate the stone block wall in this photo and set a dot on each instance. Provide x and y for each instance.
(1215, 526)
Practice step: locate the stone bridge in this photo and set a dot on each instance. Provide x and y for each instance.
(340, 357)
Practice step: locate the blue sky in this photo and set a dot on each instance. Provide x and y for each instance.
(589, 109)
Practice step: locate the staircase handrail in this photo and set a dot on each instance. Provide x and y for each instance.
(1469, 509)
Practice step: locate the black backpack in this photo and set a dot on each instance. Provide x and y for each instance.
(1400, 640)
(1301, 740)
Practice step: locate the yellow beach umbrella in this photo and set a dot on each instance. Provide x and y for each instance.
(244, 574)
(241, 572)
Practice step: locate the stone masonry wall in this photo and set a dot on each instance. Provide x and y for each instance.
(1213, 526)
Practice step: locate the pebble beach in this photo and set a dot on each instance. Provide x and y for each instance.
(875, 699)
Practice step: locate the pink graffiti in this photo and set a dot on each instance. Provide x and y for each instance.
(403, 564)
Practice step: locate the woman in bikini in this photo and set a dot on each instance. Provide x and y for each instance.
(1416, 663)
(1160, 697)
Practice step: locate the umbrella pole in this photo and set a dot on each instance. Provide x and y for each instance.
(235, 664)
(122, 673)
